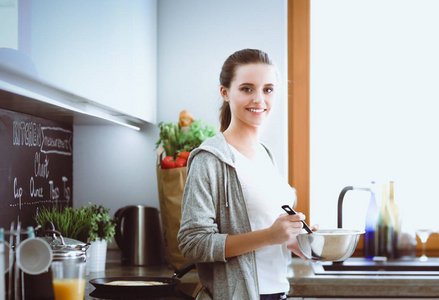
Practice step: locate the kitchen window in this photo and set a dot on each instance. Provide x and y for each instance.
(363, 106)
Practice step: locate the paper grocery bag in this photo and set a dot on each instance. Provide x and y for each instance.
(170, 187)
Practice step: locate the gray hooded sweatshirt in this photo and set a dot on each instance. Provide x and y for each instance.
(213, 206)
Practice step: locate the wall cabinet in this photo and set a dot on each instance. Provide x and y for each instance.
(104, 51)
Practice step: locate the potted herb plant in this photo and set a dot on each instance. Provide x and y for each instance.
(71, 223)
(86, 224)
(89, 224)
(102, 229)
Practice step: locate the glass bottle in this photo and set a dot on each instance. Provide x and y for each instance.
(394, 210)
(384, 228)
(371, 221)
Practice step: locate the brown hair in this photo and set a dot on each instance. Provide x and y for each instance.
(241, 57)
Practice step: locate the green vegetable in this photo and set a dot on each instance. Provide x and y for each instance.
(169, 138)
(198, 133)
(175, 141)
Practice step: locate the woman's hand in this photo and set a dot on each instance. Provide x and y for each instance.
(285, 228)
(294, 246)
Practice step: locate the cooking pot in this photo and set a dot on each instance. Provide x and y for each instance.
(139, 235)
(65, 248)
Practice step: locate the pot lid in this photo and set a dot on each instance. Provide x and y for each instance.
(58, 243)
(67, 254)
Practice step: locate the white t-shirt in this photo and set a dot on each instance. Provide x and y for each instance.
(265, 191)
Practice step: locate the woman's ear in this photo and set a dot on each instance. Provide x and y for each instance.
(224, 94)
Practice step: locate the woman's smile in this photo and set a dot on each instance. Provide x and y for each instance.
(257, 110)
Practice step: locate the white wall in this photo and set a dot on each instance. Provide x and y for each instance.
(374, 106)
(114, 165)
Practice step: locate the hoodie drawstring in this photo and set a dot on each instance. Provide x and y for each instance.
(226, 190)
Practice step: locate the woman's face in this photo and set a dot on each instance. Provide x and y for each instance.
(251, 94)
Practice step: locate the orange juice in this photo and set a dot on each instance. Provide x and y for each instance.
(69, 289)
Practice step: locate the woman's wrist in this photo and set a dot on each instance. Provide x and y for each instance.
(242, 243)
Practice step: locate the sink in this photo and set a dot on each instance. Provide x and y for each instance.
(363, 266)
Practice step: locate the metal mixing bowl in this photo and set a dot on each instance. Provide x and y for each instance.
(329, 244)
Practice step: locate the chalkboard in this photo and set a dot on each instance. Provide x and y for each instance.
(36, 166)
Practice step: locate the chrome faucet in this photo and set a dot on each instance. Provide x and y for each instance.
(340, 202)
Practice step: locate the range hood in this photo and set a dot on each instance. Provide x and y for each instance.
(23, 93)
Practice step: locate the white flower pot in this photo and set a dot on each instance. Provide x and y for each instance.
(97, 255)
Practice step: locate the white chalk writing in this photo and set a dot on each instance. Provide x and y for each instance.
(53, 191)
(56, 140)
(26, 133)
(35, 192)
(18, 191)
(41, 169)
(66, 188)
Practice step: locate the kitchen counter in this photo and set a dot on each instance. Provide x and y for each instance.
(304, 283)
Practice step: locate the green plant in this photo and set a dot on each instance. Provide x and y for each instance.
(71, 223)
(85, 224)
(101, 225)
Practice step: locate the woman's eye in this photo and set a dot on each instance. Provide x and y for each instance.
(269, 90)
(246, 89)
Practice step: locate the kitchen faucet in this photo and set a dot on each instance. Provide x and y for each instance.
(340, 202)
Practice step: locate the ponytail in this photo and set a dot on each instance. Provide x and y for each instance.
(225, 116)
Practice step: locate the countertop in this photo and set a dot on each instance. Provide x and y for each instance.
(304, 283)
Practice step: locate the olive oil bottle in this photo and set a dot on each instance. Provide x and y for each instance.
(384, 233)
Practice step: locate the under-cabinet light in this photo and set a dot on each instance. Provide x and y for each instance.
(24, 92)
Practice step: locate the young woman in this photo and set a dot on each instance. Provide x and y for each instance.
(233, 226)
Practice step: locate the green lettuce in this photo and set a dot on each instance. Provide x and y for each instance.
(174, 140)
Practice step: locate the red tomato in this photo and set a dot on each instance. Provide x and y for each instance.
(168, 162)
(184, 154)
(180, 162)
